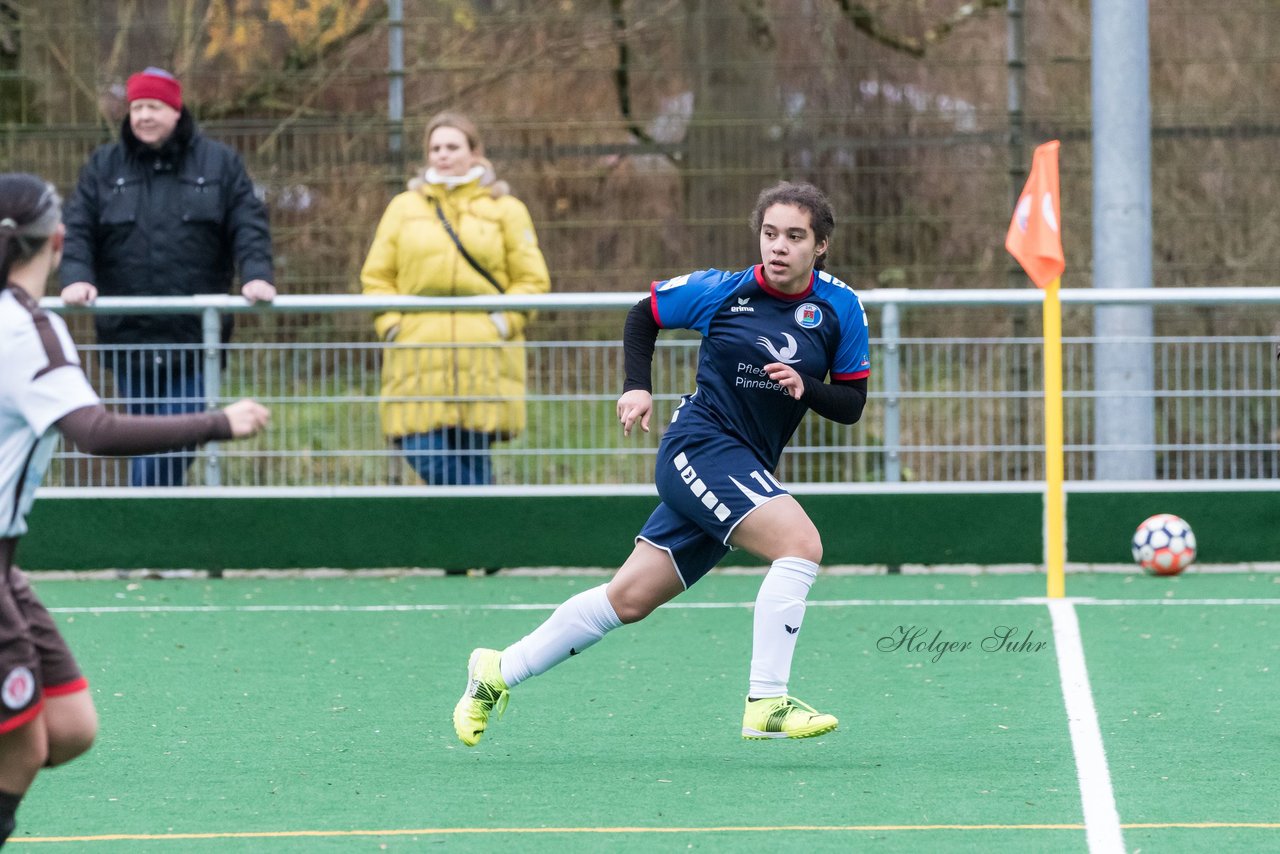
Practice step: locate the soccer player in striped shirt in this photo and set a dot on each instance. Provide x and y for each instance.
(46, 714)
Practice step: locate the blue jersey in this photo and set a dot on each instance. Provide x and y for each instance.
(745, 325)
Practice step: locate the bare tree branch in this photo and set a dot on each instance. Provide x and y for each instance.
(866, 21)
(942, 29)
(60, 58)
(8, 28)
(321, 80)
(124, 24)
(267, 86)
(516, 59)
(622, 73)
(510, 65)
(188, 33)
(758, 24)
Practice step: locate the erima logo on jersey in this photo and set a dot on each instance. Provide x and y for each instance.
(674, 283)
(787, 355)
(742, 306)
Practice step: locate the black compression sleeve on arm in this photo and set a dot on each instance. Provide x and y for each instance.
(841, 401)
(96, 431)
(639, 335)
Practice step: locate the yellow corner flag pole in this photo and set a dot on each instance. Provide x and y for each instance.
(1055, 539)
(1035, 240)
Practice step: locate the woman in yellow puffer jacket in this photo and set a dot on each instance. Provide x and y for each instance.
(453, 382)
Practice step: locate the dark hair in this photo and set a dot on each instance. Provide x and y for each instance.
(806, 197)
(30, 211)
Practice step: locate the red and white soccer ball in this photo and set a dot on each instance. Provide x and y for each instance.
(1164, 545)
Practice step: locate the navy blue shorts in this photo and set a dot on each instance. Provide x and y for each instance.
(708, 483)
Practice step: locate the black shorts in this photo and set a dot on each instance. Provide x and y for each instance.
(35, 662)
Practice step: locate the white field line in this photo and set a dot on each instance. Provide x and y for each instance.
(544, 606)
(967, 569)
(1101, 819)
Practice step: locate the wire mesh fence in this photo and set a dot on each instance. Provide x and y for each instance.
(639, 143)
(964, 406)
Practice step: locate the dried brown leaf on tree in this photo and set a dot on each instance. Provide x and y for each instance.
(238, 29)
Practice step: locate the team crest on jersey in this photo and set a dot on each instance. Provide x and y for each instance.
(18, 689)
(809, 316)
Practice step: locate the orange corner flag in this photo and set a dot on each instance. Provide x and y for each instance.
(1035, 234)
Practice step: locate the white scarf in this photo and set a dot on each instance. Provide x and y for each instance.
(450, 181)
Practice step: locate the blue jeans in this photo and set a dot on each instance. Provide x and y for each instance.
(449, 456)
(156, 382)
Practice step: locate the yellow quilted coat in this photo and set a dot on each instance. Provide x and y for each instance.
(453, 369)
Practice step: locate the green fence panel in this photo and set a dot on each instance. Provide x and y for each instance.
(459, 531)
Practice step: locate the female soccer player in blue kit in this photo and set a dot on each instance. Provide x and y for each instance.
(771, 334)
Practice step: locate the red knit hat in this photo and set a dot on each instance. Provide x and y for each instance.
(154, 83)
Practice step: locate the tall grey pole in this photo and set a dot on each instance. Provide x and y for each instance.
(211, 330)
(395, 79)
(1016, 65)
(1124, 373)
(1020, 379)
(891, 334)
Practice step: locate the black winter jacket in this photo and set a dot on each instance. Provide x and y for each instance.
(173, 221)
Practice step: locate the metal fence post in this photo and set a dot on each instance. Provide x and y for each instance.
(212, 324)
(395, 82)
(891, 328)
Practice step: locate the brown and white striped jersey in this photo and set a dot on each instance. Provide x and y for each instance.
(40, 382)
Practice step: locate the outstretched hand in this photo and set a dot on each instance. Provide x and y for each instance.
(633, 406)
(247, 417)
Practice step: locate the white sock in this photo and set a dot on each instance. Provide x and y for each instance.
(575, 625)
(779, 613)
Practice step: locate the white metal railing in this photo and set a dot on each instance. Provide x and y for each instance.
(955, 408)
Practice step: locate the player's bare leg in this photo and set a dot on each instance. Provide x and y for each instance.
(72, 724)
(646, 580)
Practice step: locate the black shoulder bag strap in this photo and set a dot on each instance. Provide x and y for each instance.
(465, 254)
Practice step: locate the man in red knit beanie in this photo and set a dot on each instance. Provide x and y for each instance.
(155, 105)
(157, 84)
(165, 211)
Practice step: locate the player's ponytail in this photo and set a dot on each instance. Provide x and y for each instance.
(6, 238)
(30, 211)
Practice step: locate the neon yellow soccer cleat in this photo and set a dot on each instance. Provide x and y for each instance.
(784, 717)
(485, 691)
